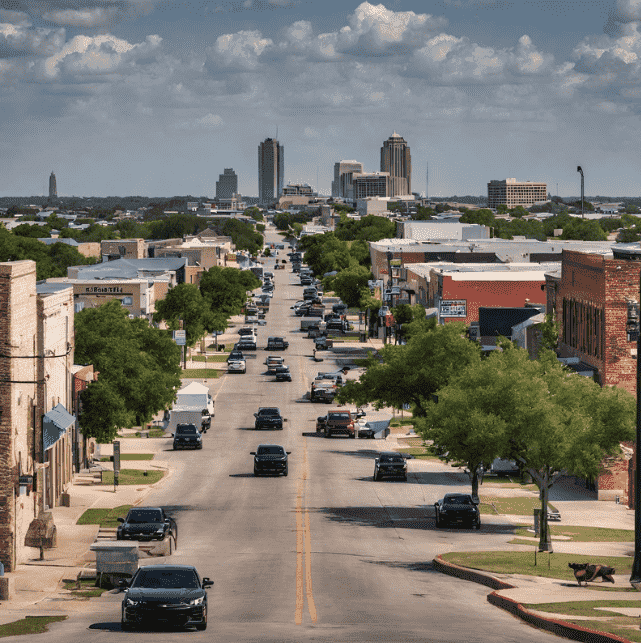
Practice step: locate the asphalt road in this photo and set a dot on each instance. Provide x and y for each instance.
(324, 554)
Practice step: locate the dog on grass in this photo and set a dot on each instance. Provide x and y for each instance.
(584, 572)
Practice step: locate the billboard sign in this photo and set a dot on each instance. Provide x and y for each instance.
(453, 308)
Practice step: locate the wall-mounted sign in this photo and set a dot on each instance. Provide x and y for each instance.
(103, 289)
(453, 308)
(180, 337)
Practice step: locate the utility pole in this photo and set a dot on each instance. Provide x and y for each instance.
(578, 169)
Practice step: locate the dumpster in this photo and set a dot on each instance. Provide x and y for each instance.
(115, 559)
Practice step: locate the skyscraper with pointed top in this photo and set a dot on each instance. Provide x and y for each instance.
(396, 159)
(53, 188)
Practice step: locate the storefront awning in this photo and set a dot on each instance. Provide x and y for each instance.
(55, 424)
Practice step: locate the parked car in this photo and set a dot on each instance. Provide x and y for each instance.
(247, 331)
(336, 377)
(457, 508)
(268, 417)
(187, 435)
(339, 325)
(146, 523)
(340, 308)
(336, 422)
(268, 293)
(323, 391)
(270, 458)
(237, 366)
(277, 344)
(310, 293)
(282, 374)
(183, 599)
(390, 464)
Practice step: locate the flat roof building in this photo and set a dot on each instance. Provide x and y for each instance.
(371, 184)
(511, 193)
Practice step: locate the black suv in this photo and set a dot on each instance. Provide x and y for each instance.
(187, 435)
(270, 458)
(276, 344)
(390, 463)
(268, 417)
(146, 523)
(457, 508)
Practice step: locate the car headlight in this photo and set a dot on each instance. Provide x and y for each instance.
(197, 601)
(160, 530)
(131, 603)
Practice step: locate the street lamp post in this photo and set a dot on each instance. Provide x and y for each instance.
(580, 171)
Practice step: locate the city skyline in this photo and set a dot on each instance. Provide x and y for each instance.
(146, 97)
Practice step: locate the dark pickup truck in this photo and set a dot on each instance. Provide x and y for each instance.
(276, 344)
(146, 523)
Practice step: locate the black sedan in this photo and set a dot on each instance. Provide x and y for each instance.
(282, 374)
(270, 458)
(390, 464)
(165, 594)
(268, 417)
(146, 523)
(457, 508)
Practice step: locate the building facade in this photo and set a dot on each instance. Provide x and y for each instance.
(53, 187)
(342, 185)
(511, 193)
(271, 171)
(396, 160)
(369, 184)
(227, 184)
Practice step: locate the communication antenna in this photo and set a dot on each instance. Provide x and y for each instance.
(276, 132)
(427, 180)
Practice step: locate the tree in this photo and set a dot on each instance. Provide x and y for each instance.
(226, 289)
(359, 251)
(629, 235)
(348, 284)
(138, 364)
(484, 216)
(410, 374)
(403, 314)
(584, 230)
(550, 329)
(533, 411)
(102, 411)
(185, 302)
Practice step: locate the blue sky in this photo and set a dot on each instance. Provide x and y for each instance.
(157, 97)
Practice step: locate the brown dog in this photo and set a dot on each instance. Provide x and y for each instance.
(584, 572)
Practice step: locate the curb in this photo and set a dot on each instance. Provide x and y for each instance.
(555, 626)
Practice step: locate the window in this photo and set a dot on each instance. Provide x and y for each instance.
(127, 301)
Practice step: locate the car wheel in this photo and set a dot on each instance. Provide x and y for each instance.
(203, 626)
(477, 525)
(285, 472)
(327, 433)
(256, 473)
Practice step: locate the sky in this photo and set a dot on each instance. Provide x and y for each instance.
(158, 97)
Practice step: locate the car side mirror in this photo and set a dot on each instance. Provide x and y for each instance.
(255, 415)
(121, 519)
(287, 452)
(285, 420)
(123, 583)
(252, 452)
(207, 582)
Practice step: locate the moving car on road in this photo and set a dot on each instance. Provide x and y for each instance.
(283, 374)
(237, 366)
(268, 417)
(391, 464)
(270, 458)
(235, 355)
(187, 435)
(273, 361)
(338, 422)
(146, 523)
(457, 508)
(169, 594)
(277, 344)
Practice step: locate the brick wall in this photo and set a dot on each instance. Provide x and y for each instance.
(614, 477)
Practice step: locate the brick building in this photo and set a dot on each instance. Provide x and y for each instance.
(123, 249)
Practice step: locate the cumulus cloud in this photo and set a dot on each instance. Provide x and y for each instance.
(19, 40)
(94, 17)
(15, 17)
(240, 51)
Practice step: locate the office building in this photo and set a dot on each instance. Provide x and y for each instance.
(53, 188)
(227, 184)
(271, 171)
(512, 193)
(368, 184)
(342, 185)
(397, 161)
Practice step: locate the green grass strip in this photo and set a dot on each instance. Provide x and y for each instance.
(103, 517)
(588, 534)
(130, 456)
(132, 476)
(29, 625)
(522, 562)
(210, 358)
(200, 373)
(515, 506)
(582, 608)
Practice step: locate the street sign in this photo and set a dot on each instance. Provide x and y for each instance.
(180, 337)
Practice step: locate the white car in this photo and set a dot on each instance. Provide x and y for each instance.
(237, 366)
(254, 319)
(267, 293)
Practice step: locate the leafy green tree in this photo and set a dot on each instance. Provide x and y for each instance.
(349, 284)
(226, 289)
(138, 364)
(369, 228)
(423, 213)
(519, 211)
(550, 329)
(254, 213)
(267, 252)
(32, 231)
(501, 208)
(185, 302)
(629, 235)
(403, 314)
(102, 411)
(359, 251)
(483, 216)
(584, 230)
(325, 253)
(411, 373)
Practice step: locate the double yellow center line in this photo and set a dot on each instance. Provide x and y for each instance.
(303, 551)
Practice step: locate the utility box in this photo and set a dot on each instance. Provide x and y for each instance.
(116, 558)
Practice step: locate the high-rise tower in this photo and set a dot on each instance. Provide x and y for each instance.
(227, 184)
(53, 188)
(271, 170)
(342, 185)
(396, 159)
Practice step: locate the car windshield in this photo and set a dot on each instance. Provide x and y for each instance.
(144, 515)
(186, 429)
(339, 416)
(391, 458)
(166, 578)
(269, 411)
(271, 450)
(458, 500)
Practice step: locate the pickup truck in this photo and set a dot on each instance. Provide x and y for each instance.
(146, 523)
(276, 344)
(323, 391)
(337, 422)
